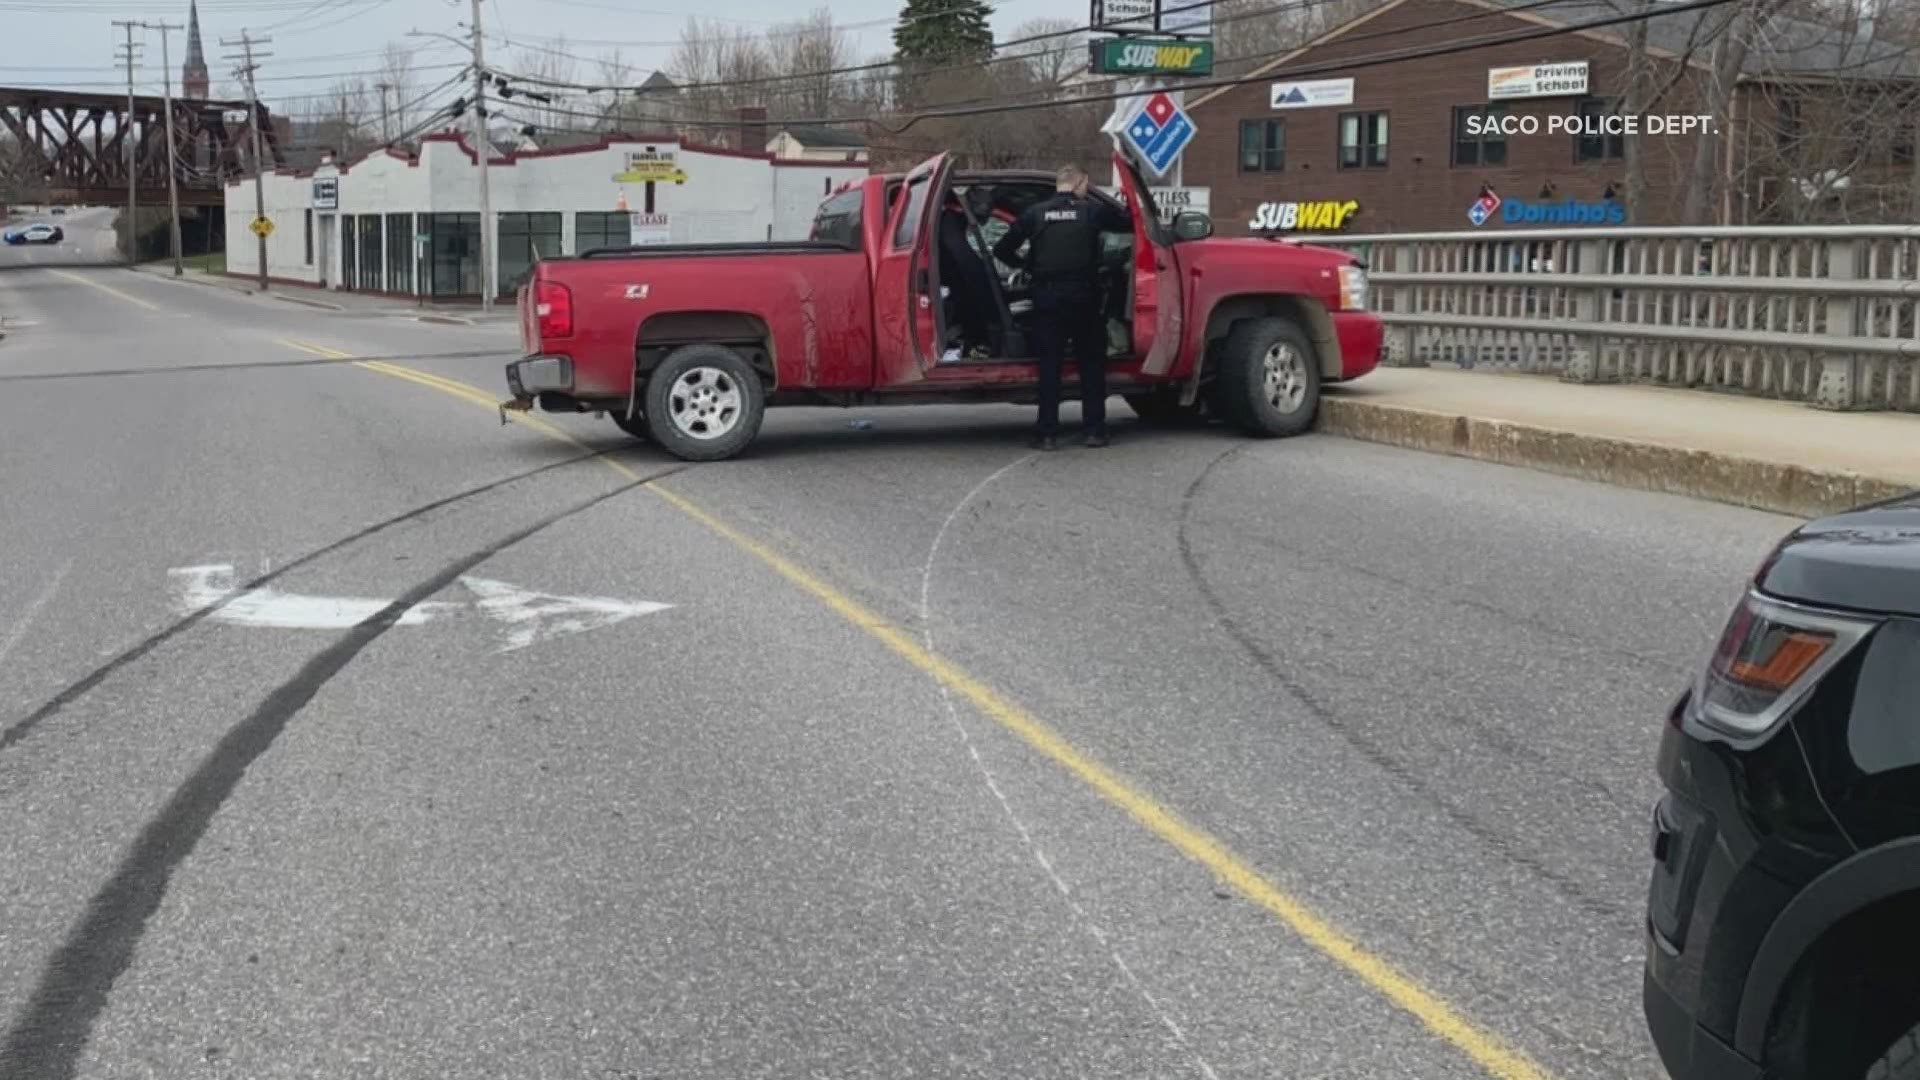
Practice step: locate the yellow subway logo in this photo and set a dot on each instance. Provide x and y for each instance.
(1320, 216)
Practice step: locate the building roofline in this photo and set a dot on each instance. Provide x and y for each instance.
(606, 142)
(1488, 6)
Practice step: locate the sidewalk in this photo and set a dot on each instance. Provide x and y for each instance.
(1771, 455)
(332, 300)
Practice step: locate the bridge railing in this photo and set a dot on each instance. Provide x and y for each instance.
(1826, 315)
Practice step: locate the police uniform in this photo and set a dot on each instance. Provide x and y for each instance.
(1063, 262)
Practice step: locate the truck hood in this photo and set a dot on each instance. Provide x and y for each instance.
(1242, 247)
(1866, 559)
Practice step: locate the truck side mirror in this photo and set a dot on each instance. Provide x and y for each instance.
(1192, 225)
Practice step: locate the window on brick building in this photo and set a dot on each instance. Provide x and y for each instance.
(1598, 147)
(1263, 145)
(1475, 142)
(1363, 140)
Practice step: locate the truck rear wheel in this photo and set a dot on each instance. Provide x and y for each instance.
(704, 403)
(1269, 380)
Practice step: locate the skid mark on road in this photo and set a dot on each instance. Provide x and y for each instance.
(1262, 658)
(20, 729)
(1482, 1046)
(48, 1038)
(1080, 916)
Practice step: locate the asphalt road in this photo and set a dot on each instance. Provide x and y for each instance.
(1192, 757)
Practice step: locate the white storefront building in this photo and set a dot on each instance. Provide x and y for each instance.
(410, 225)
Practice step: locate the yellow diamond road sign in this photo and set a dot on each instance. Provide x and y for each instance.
(261, 227)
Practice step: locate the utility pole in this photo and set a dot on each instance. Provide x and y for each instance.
(248, 65)
(386, 130)
(483, 154)
(129, 151)
(173, 168)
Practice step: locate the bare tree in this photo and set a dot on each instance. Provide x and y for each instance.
(719, 68)
(399, 86)
(1060, 55)
(544, 100)
(806, 55)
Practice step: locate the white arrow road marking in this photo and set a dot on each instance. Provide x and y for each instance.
(528, 616)
(198, 586)
(533, 616)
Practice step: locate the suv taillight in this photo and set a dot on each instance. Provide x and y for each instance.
(553, 309)
(1768, 657)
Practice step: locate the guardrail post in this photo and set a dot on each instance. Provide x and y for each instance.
(1841, 377)
(1585, 360)
(1400, 350)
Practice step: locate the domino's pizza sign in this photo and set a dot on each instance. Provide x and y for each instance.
(1483, 208)
(1159, 131)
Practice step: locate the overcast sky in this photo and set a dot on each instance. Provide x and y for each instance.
(315, 42)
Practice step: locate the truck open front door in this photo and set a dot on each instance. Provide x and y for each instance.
(906, 280)
(1156, 277)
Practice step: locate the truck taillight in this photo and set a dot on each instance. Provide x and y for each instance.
(553, 309)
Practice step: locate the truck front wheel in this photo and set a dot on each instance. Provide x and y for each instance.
(1269, 380)
(704, 403)
(636, 426)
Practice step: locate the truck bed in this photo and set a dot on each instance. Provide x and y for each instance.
(663, 251)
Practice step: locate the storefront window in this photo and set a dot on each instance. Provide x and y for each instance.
(369, 259)
(453, 254)
(1598, 147)
(400, 253)
(524, 240)
(1363, 140)
(347, 249)
(1263, 145)
(597, 230)
(1475, 139)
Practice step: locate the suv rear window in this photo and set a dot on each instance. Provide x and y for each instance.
(839, 219)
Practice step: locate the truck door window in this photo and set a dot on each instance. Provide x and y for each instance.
(903, 233)
(839, 219)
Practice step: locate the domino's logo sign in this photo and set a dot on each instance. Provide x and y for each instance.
(1483, 208)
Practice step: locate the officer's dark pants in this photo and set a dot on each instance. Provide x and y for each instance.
(1066, 316)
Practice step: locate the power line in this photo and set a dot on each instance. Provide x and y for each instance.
(956, 110)
(882, 65)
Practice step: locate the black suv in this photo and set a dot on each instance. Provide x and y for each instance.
(1784, 916)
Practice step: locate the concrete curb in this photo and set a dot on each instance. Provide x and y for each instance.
(1699, 474)
(191, 279)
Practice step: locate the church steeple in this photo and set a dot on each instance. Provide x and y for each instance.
(194, 78)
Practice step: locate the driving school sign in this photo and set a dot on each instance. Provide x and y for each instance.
(1537, 80)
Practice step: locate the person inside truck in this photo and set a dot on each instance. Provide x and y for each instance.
(970, 291)
(1065, 252)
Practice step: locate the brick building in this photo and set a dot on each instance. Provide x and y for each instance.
(1391, 148)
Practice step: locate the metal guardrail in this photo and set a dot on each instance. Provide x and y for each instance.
(1829, 315)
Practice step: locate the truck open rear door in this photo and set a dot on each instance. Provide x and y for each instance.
(1156, 278)
(906, 281)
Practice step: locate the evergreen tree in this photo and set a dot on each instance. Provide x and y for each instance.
(943, 31)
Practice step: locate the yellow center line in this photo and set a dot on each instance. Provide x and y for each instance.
(129, 298)
(1482, 1046)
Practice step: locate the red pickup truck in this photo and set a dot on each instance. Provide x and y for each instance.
(687, 345)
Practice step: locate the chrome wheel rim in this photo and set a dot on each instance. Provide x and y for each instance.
(705, 403)
(1284, 373)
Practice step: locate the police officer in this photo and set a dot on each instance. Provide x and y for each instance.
(1063, 261)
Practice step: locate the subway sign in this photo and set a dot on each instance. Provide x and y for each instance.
(1134, 56)
(1321, 216)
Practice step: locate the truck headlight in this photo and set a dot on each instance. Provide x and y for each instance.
(1353, 289)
